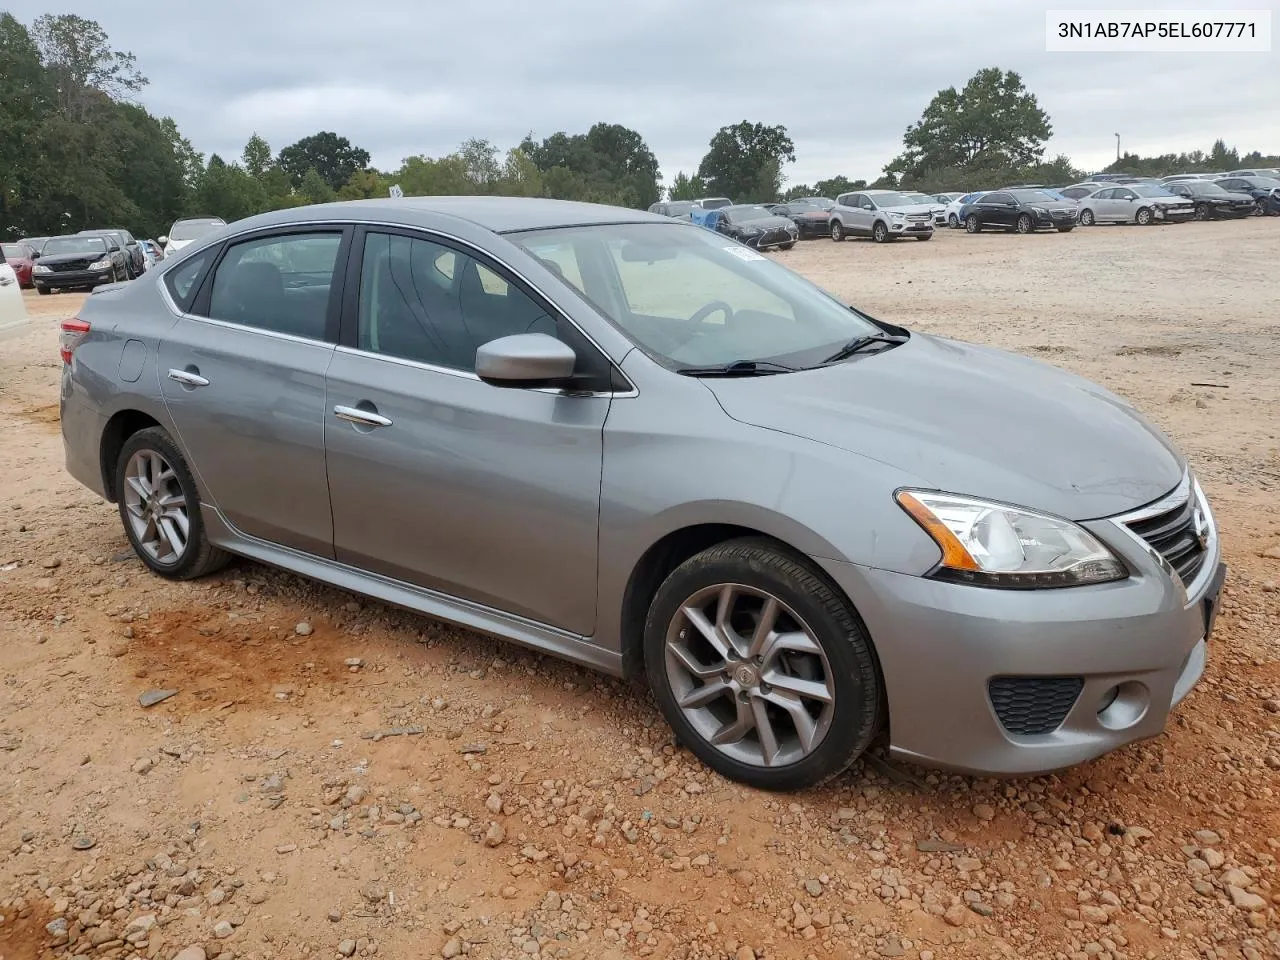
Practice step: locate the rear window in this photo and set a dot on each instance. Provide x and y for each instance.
(12, 251)
(183, 281)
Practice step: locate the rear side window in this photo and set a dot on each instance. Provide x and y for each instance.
(280, 284)
(184, 280)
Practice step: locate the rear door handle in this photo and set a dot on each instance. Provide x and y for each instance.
(366, 418)
(188, 379)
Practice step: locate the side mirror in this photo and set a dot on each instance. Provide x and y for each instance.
(162, 240)
(35, 254)
(525, 360)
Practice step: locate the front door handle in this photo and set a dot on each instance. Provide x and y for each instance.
(188, 379)
(366, 418)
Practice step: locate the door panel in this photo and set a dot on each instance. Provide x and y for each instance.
(254, 430)
(490, 494)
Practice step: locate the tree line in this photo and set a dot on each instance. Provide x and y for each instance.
(76, 151)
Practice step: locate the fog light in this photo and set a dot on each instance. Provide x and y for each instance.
(1124, 706)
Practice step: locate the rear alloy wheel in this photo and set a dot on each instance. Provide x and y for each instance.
(880, 232)
(160, 507)
(1144, 217)
(1259, 207)
(761, 668)
(1202, 211)
(1024, 223)
(1086, 218)
(837, 231)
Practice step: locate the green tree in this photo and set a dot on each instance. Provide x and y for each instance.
(520, 176)
(329, 155)
(315, 188)
(744, 161)
(364, 185)
(257, 158)
(609, 163)
(26, 99)
(190, 160)
(993, 123)
(1223, 158)
(480, 162)
(226, 190)
(82, 63)
(685, 187)
(835, 186)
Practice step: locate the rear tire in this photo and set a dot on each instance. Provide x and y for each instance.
(1202, 211)
(1087, 218)
(160, 508)
(818, 700)
(785, 246)
(43, 291)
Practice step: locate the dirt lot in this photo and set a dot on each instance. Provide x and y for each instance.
(534, 809)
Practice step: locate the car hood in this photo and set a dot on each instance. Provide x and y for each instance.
(971, 420)
(913, 208)
(73, 257)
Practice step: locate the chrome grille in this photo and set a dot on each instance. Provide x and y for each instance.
(1180, 535)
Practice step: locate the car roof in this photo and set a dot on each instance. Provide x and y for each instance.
(498, 214)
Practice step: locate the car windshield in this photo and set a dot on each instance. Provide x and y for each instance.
(822, 203)
(715, 203)
(60, 245)
(193, 229)
(919, 198)
(680, 208)
(689, 297)
(1204, 188)
(750, 213)
(892, 200)
(1264, 183)
(1149, 190)
(803, 206)
(1031, 196)
(12, 251)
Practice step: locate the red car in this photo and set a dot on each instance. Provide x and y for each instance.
(21, 258)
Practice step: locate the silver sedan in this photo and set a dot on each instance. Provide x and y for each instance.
(642, 446)
(1143, 204)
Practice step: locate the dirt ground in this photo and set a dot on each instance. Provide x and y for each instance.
(524, 807)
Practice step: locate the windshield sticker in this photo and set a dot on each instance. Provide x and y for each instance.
(745, 253)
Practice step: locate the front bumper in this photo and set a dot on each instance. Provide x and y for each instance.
(1124, 653)
(72, 278)
(911, 228)
(1054, 219)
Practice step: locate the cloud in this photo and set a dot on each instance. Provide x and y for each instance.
(403, 77)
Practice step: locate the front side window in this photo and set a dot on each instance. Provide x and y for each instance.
(690, 298)
(280, 283)
(423, 301)
(183, 280)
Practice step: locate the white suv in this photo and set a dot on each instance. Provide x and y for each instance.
(882, 215)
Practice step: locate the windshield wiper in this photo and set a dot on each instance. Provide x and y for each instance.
(858, 344)
(737, 368)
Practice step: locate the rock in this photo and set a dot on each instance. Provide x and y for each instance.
(346, 947)
(744, 953)
(495, 835)
(53, 563)
(1271, 553)
(83, 843)
(56, 928)
(984, 812)
(1234, 877)
(143, 765)
(968, 864)
(451, 949)
(955, 916)
(1207, 838)
(892, 947)
(1214, 858)
(1271, 706)
(981, 909)
(552, 902)
(493, 804)
(190, 953)
(1244, 900)
(1091, 914)
(150, 698)
(304, 629)
(813, 887)
(223, 929)
(354, 663)
(937, 846)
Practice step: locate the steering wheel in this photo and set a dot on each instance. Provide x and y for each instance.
(706, 311)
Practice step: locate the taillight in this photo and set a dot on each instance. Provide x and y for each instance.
(73, 331)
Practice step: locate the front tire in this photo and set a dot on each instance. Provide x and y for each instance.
(1087, 218)
(880, 232)
(1202, 211)
(972, 224)
(160, 508)
(1065, 229)
(1024, 223)
(953, 222)
(837, 231)
(785, 246)
(762, 669)
(1144, 217)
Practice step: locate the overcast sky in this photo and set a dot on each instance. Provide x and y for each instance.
(846, 77)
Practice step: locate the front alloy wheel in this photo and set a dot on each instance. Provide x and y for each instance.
(880, 232)
(837, 231)
(1024, 224)
(760, 667)
(972, 224)
(1144, 217)
(953, 222)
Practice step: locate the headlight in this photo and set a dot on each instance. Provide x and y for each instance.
(995, 545)
(40, 268)
(1040, 210)
(104, 264)
(896, 216)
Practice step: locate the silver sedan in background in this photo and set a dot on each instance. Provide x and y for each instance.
(642, 446)
(1139, 203)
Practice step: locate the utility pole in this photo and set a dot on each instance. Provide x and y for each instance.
(1117, 147)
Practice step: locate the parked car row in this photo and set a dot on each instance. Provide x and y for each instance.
(93, 257)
